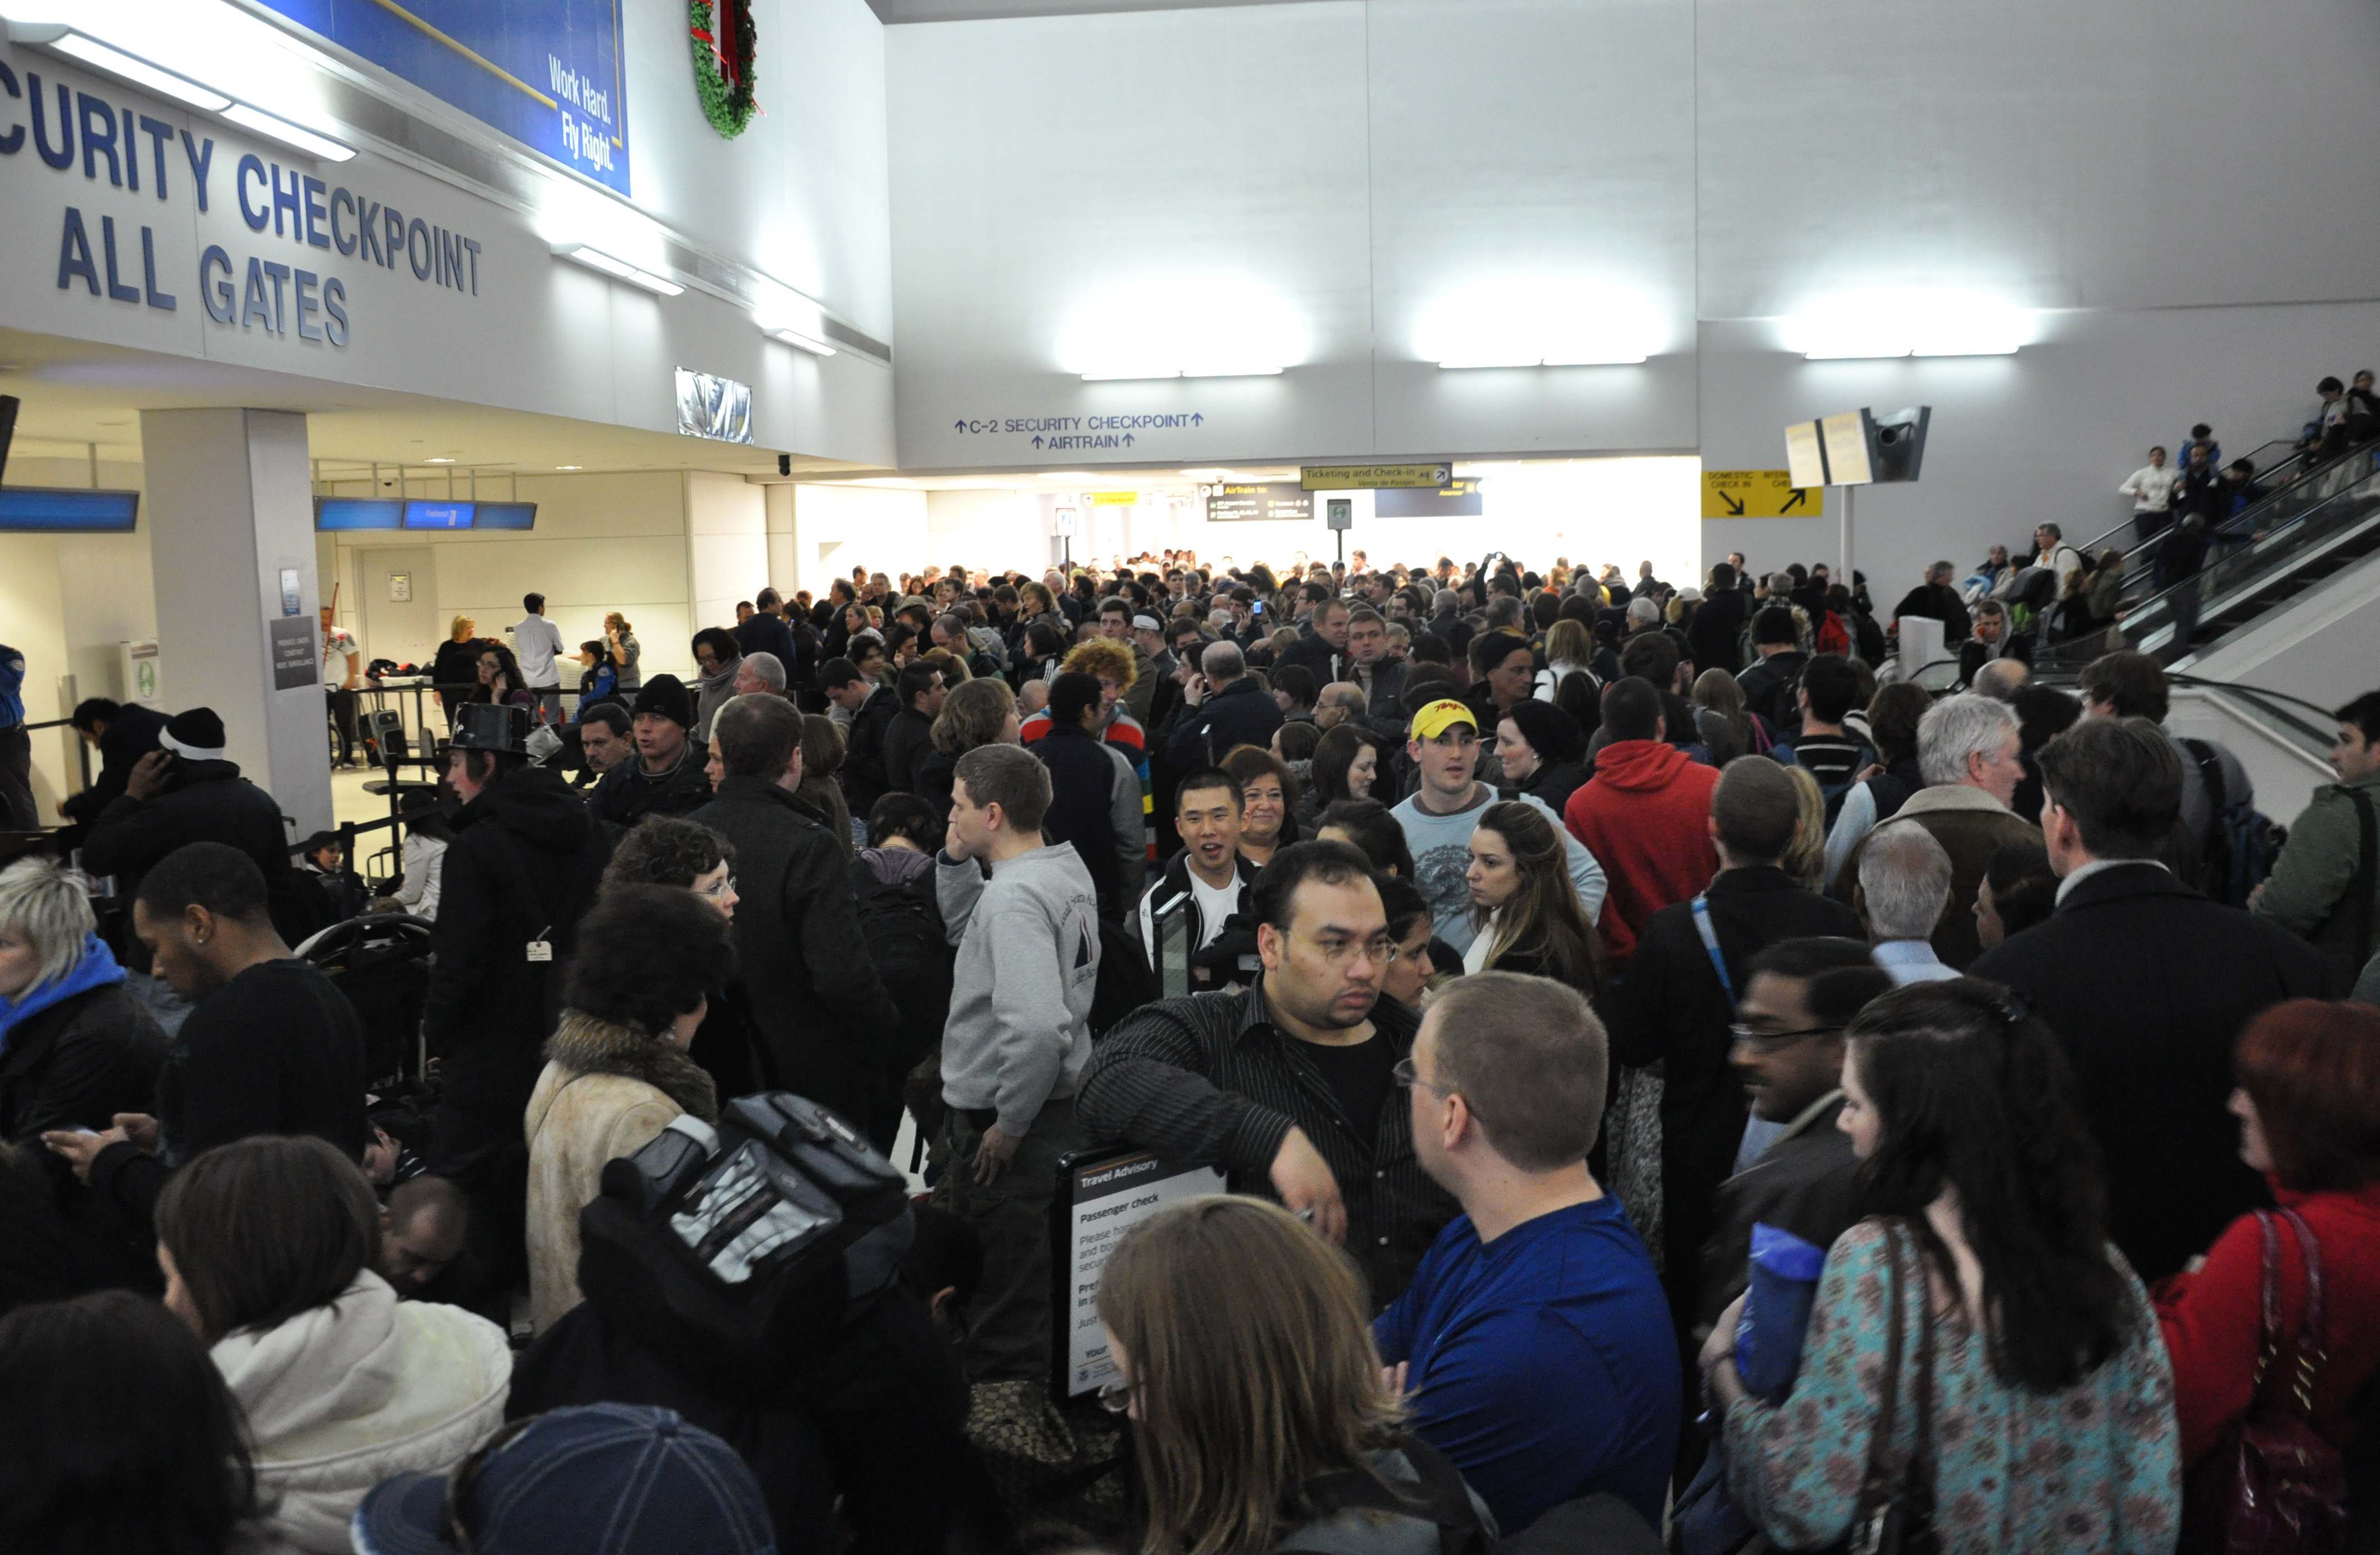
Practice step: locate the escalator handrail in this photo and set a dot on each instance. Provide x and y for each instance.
(2247, 520)
(2096, 546)
(2195, 580)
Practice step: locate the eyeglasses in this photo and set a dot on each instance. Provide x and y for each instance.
(1381, 952)
(1774, 1039)
(460, 1485)
(1407, 1075)
(718, 892)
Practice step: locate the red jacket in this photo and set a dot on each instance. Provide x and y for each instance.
(2212, 1325)
(1646, 816)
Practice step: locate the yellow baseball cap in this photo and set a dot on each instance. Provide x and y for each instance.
(1441, 715)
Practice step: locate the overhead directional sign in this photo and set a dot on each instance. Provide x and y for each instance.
(1759, 493)
(1116, 499)
(1235, 503)
(1374, 477)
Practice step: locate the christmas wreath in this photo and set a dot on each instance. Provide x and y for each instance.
(723, 36)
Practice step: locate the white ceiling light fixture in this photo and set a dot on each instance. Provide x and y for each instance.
(566, 466)
(1913, 321)
(130, 67)
(1530, 321)
(786, 314)
(800, 341)
(273, 126)
(617, 268)
(75, 42)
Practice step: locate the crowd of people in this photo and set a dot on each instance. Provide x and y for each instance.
(1665, 1073)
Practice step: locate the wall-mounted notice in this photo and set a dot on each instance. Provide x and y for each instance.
(1231, 504)
(1102, 1195)
(545, 72)
(292, 638)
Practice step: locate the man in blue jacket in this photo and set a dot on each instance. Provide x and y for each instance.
(1534, 1343)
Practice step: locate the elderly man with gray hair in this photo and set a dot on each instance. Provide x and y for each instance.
(1904, 884)
(760, 674)
(1970, 753)
(1223, 707)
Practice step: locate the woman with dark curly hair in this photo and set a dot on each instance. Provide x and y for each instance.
(500, 678)
(617, 1071)
(1980, 1301)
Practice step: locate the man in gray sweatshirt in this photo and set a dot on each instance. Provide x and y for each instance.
(1014, 1048)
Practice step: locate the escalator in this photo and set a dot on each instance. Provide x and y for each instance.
(2318, 517)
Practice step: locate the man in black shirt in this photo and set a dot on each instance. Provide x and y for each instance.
(271, 1048)
(1287, 1086)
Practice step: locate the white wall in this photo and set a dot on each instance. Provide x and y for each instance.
(603, 542)
(727, 545)
(838, 527)
(2162, 183)
(801, 194)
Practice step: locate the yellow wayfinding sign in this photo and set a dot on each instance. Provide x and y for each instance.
(1374, 477)
(1114, 499)
(1759, 493)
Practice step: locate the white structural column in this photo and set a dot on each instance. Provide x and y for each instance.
(231, 509)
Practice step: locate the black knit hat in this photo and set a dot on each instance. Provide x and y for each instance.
(665, 695)
(1553, 733)
(196, 733)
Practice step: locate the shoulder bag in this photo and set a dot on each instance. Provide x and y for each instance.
(1895, 1516)
(2273, 1486)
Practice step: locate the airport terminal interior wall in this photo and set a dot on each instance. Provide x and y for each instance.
(2172, 186)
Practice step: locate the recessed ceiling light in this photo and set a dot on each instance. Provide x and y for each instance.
(436, 459)
(566, 466)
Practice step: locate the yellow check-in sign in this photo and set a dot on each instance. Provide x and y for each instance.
(1759, 493)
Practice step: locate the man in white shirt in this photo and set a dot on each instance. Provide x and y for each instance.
(536, 643)
(2151, 488)
(2052, 552)
(1210, 868)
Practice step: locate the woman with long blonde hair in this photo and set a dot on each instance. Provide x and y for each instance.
(1244, 1347)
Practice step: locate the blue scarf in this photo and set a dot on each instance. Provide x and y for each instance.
(95, 969)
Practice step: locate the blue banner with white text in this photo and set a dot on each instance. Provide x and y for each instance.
(546, 72)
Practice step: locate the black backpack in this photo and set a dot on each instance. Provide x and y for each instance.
(2241, 843)
(731, 1250)
(903, 927)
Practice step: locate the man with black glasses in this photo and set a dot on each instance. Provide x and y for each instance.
(1799, 1174)
(1290, 1086)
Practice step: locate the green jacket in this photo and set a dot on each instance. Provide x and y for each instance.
(2306, 893)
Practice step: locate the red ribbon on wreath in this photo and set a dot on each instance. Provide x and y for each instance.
(723, 27)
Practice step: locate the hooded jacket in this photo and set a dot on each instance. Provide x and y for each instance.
(524, 866)
(347, 1394)
(205, 802)
(1645, 817)
(606, 1092)
(77, 1052)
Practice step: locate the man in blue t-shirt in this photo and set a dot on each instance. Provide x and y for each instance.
(1534, 1340)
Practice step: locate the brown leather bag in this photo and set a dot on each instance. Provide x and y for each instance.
(2272, 1486)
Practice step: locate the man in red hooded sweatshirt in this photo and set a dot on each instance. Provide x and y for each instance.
(1645, 815)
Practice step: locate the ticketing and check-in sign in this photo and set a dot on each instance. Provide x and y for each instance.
(1374, 477)
(1759, 493)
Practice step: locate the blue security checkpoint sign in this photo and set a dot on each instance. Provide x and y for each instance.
(546, 72)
